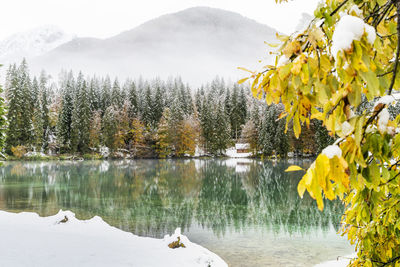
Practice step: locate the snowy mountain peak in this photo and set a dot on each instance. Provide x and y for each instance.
(32, 43)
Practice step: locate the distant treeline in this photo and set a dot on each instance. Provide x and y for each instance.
(83, 115)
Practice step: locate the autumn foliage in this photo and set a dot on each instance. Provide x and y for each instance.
(346, 57)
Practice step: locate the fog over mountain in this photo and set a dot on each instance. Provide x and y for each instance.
(197, 44)
(32, 43)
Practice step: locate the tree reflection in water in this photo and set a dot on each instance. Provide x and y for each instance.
(153, 197)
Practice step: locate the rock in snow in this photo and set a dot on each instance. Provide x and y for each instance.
(30, 240)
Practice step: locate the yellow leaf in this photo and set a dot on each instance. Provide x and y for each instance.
(318, 115)
(243, 80)
(322, 169)
(301, 188)
(241, 68)
(292, 48)
(271, 44)
(304, 75)
(284, 71)
(282, 115)
(296, 125)
(294, 168)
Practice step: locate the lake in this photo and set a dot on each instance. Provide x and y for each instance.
(247, 211)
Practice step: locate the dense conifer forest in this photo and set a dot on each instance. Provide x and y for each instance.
(96, 116)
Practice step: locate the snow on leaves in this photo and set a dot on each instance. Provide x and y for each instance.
(347, 57)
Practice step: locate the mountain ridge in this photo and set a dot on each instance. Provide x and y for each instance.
(197, 44)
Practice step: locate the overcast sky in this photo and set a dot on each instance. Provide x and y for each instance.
(104, 18)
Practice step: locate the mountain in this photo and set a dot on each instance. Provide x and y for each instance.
(197, 44)
(32, 43)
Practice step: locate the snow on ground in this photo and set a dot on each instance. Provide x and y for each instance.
(33, 154)
(340, 262)
(199, 152)
(30, 240)
(231, 152)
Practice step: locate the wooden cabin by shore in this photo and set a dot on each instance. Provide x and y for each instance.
(242, 148)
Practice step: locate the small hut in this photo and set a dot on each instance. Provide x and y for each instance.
(242, 148)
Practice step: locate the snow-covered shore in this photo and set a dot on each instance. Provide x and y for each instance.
(340, 262)
(31, 240)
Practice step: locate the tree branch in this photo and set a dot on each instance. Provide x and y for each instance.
(394, 177)
(391, 261)
(338, 7)
(396, 63)
(378, 19)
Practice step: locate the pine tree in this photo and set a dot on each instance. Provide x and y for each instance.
(147, 114)
(235, 114)
(255, 113)
(158, 105)
(221, 131)
(109, 127)
(267, 132)
(125, 91)
(322, 137)
(123, 127)
(37, 116)
(116, 99)
(3, 121)
(182, 99)
(189, 98)
(65, 115)
(228, 104)
(105, 94)
(242, 107)
(27, 104)
(176, 117)
(45, 116)
(14, 99)
(81, 116)
(35, 92)
(281, 138)
(164, 140)
(95, 130)
(20, 109)
(94, 94)
(198, 100)
(206, 123)
(133, 101)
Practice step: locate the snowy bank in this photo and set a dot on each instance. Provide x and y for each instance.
(30, 240)
(232, 153)
(340, 262)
